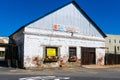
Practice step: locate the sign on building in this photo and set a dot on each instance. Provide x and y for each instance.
(64, 28)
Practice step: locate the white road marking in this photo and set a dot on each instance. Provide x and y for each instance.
(45, 78)
(56, 79)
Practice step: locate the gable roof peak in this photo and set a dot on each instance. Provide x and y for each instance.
(75, 3)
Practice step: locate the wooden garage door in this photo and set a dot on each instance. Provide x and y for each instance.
(88, 56)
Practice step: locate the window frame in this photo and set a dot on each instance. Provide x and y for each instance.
(72, 54)
(49, 59)
(115, 41)
(109, 40)
(2, 53)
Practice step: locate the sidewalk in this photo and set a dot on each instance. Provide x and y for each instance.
(101, 66)
(8, 70)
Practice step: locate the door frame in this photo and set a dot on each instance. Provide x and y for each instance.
(88, 55)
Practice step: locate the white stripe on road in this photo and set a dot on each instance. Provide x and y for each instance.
(44, 78)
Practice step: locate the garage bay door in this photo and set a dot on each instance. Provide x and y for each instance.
(88, 56)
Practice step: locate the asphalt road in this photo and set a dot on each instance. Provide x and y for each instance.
(60, 74)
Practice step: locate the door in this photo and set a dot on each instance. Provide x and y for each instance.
(88, 56)
(92, 58)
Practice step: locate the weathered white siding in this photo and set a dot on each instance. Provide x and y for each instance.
(100, 54)
(68, 16)
(37, 39)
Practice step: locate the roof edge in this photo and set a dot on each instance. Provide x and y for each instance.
(16, 31)
(41, 17)
(76, 4)
(85, 15)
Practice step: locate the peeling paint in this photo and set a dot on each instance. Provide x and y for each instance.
(63, 60)
(34, 61)
(100, 60)
(27, 60)
(78, 62)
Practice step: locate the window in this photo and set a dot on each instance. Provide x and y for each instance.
(51, 54)
(115, 41)
(72, 54)
(109, 40)
(118, 48)
(2, 53)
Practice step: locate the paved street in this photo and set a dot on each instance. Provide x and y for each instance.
(76, 73)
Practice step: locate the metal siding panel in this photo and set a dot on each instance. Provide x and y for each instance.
(69, 16)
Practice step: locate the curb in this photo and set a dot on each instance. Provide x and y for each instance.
(102, 66)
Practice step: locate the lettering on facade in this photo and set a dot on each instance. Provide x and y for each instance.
(64, 28)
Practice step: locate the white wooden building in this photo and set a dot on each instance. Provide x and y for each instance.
(64, 35)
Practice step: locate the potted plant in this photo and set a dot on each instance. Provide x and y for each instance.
(51, 59)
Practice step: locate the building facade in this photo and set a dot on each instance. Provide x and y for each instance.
(112, 43)
(3, 41)
(60, 37)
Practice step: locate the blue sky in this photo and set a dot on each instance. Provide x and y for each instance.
(16, 13)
